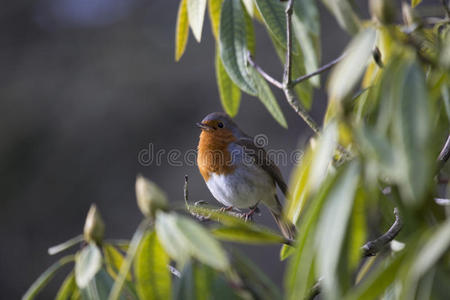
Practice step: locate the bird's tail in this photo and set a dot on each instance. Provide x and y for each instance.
(287, 228)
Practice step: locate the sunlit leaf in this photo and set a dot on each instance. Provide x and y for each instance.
(267, 98)
(249, 6)
(230, 94)
(196, 15)
(248, 235)
(152, 275)
(233, 45)
(113, 260)
(335, 215)
(183, 238)
(347, 72)
(68, 288)
(414, 3)
(182, 30)
(214, 7)
(250, 33)
(357, 229)
(344, 14)
(45, 277)
(88, 262)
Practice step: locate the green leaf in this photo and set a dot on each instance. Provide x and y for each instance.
(126, 265)
(254, 278)
(358, 230)
(183, 238)
(214, 7)
(45, 277)
(344, 14)
(67, 288)
(152, 275)
(306, 27)
(87, 263)
(182, 30)
(414, 3)
(436, 245)
(379, 279)
(66, 245)
(335, 214)
(113, 260)
(230, 94)
(274, 17)
(248, 235)
(99, 287)
(250, 33)
(300, 265)
(233, 45)
(267, 98)
(196, 14)
(345, 76)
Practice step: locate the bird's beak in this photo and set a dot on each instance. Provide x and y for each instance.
(203, 126)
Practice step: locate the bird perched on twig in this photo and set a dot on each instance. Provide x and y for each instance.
(238, 173)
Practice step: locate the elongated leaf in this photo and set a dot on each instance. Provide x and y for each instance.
(347, 72)
(435, 247)
(182, 30)
(153, 279)
(45, 277)
(113, 260)
(336, 215)
(214, 7)
(230, 94)
(248, 235)
(300, 267)
(249, 33)
(196, 14)
(267, 98)
(344, 14)
(126, 265)
(233, 45)
(358, 230)
(306, 27)
(66, 245)
(87, 264)
(99, 287)
(67, 288)
(174, 230)
(274, 17)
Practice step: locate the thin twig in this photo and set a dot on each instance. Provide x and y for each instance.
(287, 75)
(266, 76)
(371, 248)
(318, 71)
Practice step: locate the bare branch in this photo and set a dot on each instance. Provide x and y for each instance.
(371, 248)
(318, 71)
(266, 76)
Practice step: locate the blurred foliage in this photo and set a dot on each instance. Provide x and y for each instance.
(388, 107)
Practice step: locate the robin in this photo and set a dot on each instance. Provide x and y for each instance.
(238, 173)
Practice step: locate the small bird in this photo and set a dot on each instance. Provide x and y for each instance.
(238, 173)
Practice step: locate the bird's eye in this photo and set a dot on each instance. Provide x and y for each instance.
(220, 125)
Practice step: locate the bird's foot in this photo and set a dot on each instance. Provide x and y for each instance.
(225, 208)
(249, 215)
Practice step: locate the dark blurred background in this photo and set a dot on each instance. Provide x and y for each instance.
(87, 84)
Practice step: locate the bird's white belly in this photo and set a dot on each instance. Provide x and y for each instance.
(243, 188)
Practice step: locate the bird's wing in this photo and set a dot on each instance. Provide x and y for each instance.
(262, 160)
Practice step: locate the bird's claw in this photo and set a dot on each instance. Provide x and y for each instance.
(225, 208)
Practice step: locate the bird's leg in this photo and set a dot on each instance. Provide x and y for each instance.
(249, 214)
(225, 208)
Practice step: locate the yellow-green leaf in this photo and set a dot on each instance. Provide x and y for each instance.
(267, 98)
(214, 7)
(230, 94)
(153, 281)
(414, 3)
(247, 235)
(182, 30)
(113, 260)
(68, 288)
(196, 13)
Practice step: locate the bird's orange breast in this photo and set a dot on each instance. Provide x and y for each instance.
(213, 155)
